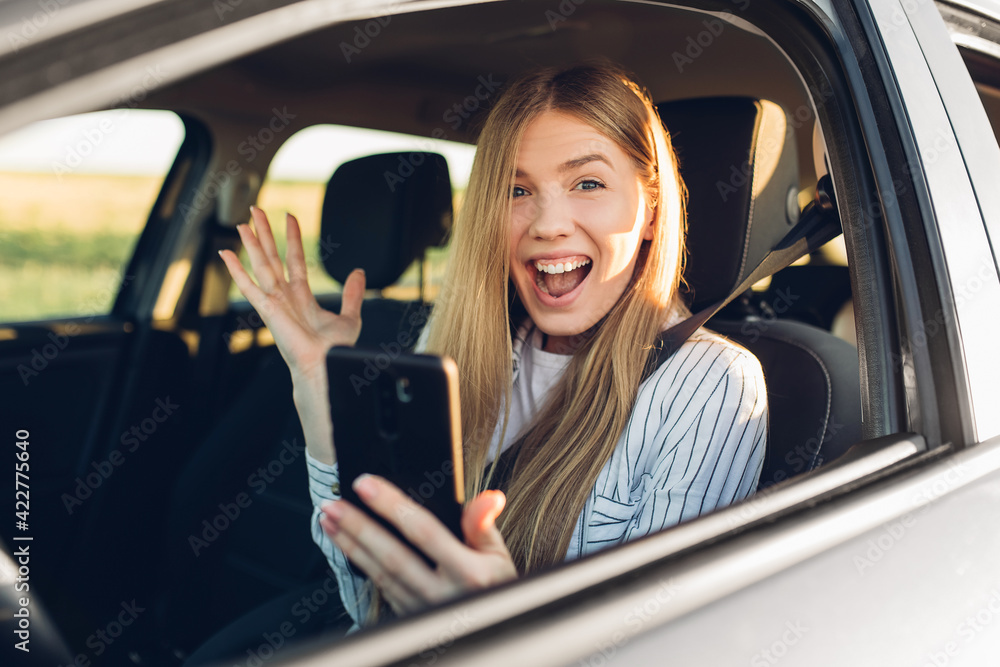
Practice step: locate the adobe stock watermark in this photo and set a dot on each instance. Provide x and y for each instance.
(302, 611)
(223, 7)
(941, 144)
(461, 111)
(640, 615)
(253, 320)
(462, 620)
(95, 305)
(780, 303)
(634, 621)
(798, 459)
(31, 26)
(806, 456)
(131, 439)
(696, 45)
(965, 292)
(402, 344)
(249, 148)
(545, 196)
(779, 648)
(365, 33)
(770, 146)
(374, 365)
(901, 13)
(565, 9)
(257, 482)
(255, 143)
(967, 630)
(103, 637)
(434, 481)
(455, 116)
(893, 532)
(91, 138)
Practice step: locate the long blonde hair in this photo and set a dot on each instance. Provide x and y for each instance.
(573, 435)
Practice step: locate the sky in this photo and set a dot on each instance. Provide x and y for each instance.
(133, 141)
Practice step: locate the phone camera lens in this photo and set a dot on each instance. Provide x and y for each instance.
(403, 392)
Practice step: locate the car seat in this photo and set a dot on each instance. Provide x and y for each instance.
(738, 160)
(237, 531)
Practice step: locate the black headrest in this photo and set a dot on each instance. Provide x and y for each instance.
(384, 211)
(738, 160)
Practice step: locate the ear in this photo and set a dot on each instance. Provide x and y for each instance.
(650, 224)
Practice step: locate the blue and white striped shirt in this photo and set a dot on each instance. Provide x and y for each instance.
(694, 442)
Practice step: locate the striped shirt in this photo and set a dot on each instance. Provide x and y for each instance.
(694, 442)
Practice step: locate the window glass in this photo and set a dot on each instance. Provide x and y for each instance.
(77, 192)
(296, 182)
(975, 35)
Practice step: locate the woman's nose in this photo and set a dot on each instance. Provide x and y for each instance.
(550, 216)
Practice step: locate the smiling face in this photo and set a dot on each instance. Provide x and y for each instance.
(579, 216)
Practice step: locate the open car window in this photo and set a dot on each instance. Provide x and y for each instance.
(296, 182)
(974, 31)
(77, 194)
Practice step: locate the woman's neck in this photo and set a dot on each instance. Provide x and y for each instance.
(560, 344)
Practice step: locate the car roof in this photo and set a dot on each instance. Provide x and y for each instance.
(399, 77)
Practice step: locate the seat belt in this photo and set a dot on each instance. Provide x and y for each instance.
(817, 225)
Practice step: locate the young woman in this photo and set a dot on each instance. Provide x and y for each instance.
(565, 266)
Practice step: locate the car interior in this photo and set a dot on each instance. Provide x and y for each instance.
(167, 529)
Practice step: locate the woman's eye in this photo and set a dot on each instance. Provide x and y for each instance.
(518, 191)
(589, 185)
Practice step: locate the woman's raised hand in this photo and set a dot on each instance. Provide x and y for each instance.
(302, 330)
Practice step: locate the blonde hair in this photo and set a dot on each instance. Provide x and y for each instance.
(572, 436)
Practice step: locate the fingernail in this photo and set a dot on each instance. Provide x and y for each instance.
(252, 209)
(365, 486)
(220, 253)
(329, 525)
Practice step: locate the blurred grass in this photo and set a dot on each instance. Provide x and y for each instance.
(35, 291)
(64, 242)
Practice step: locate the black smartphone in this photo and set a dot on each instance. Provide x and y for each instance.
(397, 416)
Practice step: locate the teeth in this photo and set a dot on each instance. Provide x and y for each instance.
(561, 267)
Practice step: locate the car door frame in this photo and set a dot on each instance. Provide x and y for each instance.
(105, 84)
(723, 589)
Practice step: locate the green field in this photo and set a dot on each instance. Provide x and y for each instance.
(64, 242)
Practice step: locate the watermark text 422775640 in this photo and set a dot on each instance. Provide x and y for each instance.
(20, 572)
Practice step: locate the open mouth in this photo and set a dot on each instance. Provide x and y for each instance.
(558, 277)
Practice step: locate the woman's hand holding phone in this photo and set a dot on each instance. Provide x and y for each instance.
(302, 330)
(404, 578)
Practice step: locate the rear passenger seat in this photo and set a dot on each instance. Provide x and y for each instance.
(237, 532)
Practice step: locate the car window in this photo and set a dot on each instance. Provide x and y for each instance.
(975, 36)
(296, 182)
(77, 193)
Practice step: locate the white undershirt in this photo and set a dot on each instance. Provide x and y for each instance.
(540, 370)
